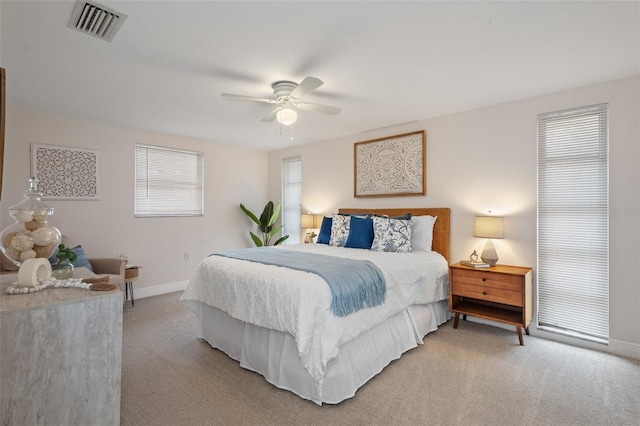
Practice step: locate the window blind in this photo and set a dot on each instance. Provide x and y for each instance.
(291, 198)
(169, 182)
(573, 222)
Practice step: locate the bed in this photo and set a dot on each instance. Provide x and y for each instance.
(280, 322)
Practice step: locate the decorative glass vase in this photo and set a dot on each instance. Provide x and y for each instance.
(62, 270)
(30, 236)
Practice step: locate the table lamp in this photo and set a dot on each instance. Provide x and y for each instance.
(310, 221)
(489, 227)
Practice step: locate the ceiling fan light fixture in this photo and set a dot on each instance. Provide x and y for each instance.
(287, 116)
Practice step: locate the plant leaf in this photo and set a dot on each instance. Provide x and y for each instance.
(256, 240)
(280, 240)
(275, 231)
(265, 218)
(250, 214)
(274, 214)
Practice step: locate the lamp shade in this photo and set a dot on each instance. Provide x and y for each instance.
(306, 221)
(309, 220)
(287, 116)
(489, 227)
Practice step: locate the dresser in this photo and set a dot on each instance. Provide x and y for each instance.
(60, 356)
(500, 293)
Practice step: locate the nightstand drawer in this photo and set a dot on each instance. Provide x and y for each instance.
(490, 294)
(487, 279)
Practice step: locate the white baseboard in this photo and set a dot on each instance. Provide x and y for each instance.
(625, 349)
(156, 290)
(615, 347)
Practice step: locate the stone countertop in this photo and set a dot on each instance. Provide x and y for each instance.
(46, 298)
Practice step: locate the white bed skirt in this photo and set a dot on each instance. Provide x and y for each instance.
(274, 354)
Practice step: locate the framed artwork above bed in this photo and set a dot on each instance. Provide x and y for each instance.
(391, 166)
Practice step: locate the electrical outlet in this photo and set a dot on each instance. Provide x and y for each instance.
(186, 256)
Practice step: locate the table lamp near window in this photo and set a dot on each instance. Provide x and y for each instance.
(489, 227)
(310, 222)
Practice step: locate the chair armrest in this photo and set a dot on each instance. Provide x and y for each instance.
(110, 265)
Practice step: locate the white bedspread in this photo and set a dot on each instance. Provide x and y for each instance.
(298, 302)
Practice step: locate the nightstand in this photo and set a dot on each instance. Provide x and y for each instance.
(499, 293)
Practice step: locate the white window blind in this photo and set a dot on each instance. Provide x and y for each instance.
(169, 182)
(573, 222)
(291, 198)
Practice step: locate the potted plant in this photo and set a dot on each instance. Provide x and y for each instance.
(63, 268)
(266, 224)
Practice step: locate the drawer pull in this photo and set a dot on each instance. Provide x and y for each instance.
(484, 293)
(483, 279)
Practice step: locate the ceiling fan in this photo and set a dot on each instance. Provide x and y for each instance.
(287, 95)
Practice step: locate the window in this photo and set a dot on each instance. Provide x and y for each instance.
(168, 182)
(291, 198)
(573, 222)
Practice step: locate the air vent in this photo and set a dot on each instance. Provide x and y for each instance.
(96, 20)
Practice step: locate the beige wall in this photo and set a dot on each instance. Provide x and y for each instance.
(108, 226)
(484, 160)
(476, 161)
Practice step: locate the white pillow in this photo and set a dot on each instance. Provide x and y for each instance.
(422, 232)
(391, 235)
(339, 230)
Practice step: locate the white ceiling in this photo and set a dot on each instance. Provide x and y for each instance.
(384, 63)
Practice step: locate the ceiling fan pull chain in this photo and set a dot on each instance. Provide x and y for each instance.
(290, 127)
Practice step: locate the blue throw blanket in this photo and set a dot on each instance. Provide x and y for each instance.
(355, 284)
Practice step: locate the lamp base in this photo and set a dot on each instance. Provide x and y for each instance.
(489, 254)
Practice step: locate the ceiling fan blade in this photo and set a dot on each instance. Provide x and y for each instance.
(269, 117)
(309, 84)
(248, 98)
(326, 109)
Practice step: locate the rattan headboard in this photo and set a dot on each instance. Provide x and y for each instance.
(441, 229)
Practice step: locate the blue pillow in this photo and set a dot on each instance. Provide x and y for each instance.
(325, 231)
(82, 260)
(360, 233)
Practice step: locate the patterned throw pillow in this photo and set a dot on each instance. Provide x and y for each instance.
(339, 230)
(391, 235)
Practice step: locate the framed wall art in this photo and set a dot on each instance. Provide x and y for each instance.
(66, 173)
(391, 166)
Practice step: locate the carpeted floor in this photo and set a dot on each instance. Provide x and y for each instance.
(475, 375)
